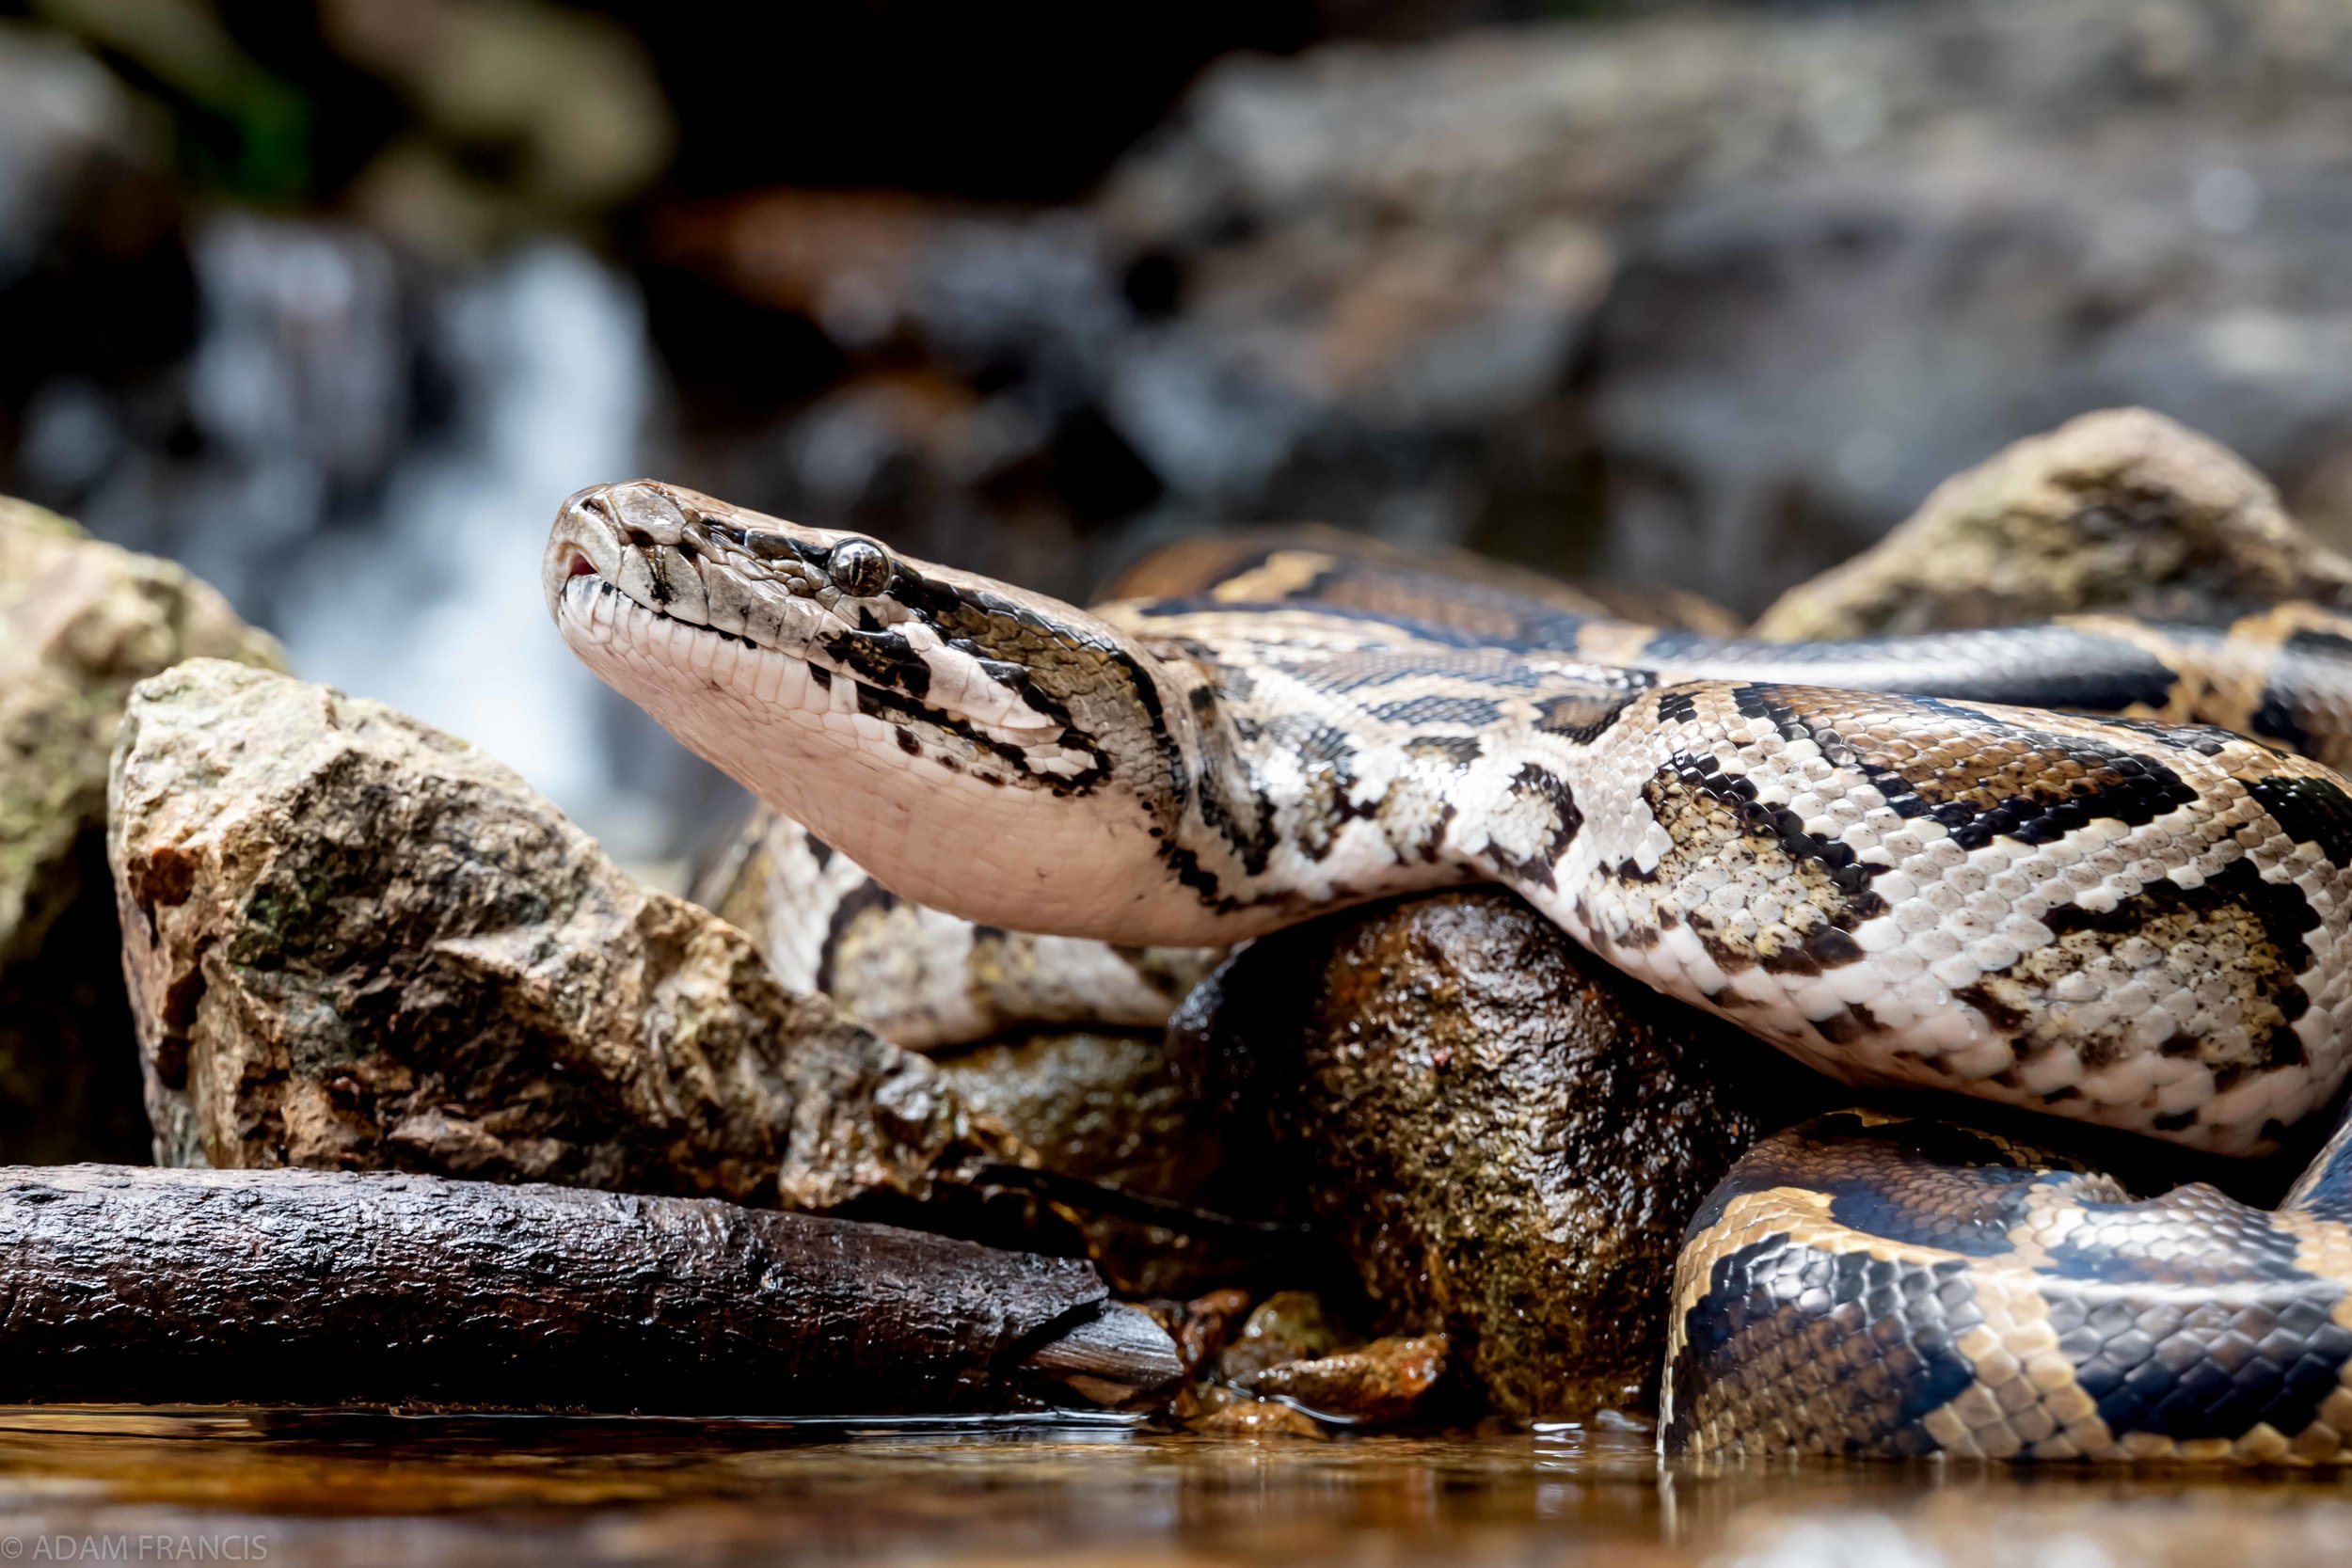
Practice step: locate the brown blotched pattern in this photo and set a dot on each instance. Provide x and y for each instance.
(2127, 923)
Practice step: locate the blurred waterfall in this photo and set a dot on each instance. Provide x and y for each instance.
(437, 608)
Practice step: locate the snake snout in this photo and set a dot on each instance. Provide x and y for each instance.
(583, 541)
(590, 507)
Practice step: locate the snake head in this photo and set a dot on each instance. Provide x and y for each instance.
(905, 712)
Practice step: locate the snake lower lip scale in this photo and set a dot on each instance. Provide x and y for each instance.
(2121, 921)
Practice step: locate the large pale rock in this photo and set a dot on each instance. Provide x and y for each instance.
(354, 941)
(2120, 510)
(79, 623)
(1507, 1135)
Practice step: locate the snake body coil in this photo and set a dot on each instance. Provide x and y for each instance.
(2119, 919)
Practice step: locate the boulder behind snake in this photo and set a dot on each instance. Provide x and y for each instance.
(2117, 919)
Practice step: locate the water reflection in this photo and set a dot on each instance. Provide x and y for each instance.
(454, 1489)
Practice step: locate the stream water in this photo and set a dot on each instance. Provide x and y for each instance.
(292, 1487)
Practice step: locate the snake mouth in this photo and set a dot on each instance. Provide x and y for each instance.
(655, 548)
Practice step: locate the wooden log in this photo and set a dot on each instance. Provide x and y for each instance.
(127, 1284)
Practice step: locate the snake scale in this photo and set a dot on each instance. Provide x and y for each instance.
(2134, 918)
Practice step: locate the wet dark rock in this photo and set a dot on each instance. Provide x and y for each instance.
(354, 941)
(1504, 1134)
(213, 1287)
(1288, 1326)
(80, 621)
(2124, 510)
(1383, 1383)
(1202, 1326)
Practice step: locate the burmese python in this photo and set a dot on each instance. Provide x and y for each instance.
(2119, 919)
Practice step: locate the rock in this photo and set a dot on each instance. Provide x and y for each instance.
(79, 623)
(1287, 1326)
(1771, 277)
(1503, 1134)
(1223, 1413)
(1118, 1108)
(1797, 363)
(2122, 510)
(92, 276)
(355, 943)
(1383, 1383)
(1202, 1326)
(907, 315)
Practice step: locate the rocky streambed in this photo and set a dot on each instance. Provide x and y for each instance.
(447, 1110)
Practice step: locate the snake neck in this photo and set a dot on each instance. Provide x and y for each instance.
(1337, 761)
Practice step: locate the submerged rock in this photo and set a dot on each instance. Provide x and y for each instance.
(2120, 510)
(1228, 1413)
(354, 942)
(1505, 1134)
(1382, 1383)
(80, 621)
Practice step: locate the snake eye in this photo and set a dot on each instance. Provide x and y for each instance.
(859, 567)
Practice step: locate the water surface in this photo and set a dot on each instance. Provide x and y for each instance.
(291, 1487)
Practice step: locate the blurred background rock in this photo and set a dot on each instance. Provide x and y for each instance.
(334, 301)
